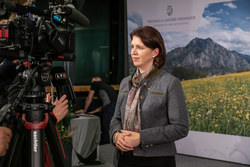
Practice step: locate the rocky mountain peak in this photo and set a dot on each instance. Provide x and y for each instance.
(205, 54)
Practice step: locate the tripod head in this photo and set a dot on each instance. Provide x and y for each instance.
(30, 84)
(28, 87)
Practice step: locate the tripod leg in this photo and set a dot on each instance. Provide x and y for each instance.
(35, 139)
(35, 124)
(55, 144)
(14, 152)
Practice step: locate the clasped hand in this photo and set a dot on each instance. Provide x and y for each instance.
(127, 140)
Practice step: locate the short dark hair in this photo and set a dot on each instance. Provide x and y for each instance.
(152, 38)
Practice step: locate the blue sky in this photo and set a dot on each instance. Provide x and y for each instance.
(227, 23)
(231, 15)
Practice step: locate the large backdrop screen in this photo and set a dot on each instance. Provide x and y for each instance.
(208, 49)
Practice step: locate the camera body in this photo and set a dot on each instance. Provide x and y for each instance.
(36, 38)
(38, 34)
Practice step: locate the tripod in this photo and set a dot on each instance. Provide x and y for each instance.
(31, 121)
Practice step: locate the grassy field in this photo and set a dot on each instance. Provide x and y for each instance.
(219, 104)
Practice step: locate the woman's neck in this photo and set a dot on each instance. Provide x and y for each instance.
(142, 70)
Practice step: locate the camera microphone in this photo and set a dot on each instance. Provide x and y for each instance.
(59, 79)
(76, 16)
(63, 86)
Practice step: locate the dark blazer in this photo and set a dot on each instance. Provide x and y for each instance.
(164, 117)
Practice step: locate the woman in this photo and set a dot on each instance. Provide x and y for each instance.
(150, 111)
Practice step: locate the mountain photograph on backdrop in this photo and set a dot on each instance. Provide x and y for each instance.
(213, 64)
(216, 82)
(206, 57)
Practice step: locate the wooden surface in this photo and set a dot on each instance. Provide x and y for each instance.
(83, 88)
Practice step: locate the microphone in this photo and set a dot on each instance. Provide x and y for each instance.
(64, 86)
(76, 16)
(59, 80)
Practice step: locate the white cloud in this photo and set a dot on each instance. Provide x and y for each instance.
(212, 19)
(204, 23)
(235, 39)
(230, 5)
(132, 25)
(219, 11)
(178, 39)
(248, 18)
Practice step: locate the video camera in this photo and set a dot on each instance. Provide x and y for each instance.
(36, 38)
(40, 34)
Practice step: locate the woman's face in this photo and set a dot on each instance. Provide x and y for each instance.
(141, 55)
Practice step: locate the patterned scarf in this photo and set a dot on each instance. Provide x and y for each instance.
(132, 119)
